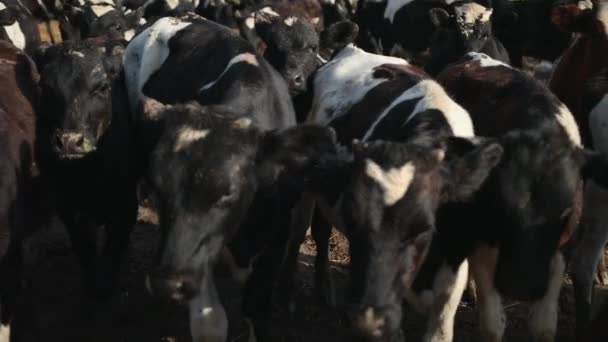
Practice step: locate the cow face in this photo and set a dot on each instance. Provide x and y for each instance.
(205, 173)
(290, 44)
(387, 202)
(466, 30)
(592, 19)
(76, 97)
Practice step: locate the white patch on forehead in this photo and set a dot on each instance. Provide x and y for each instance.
(289, 21)
(270, 11)
(187, 136)
(598, 122)
(76, 53)
(128, 11)
(602, 14)
(15, 34)
(129, 34)
(432, 96)
(469, 13)
(146, 53)
(316, 20)
(566, 120)
(344, 81)
(172, 3)
(206, 311)
(585, 4)
(246, 57)
(2, 6)
(142, 21)
(392, 7)
(109, 2)
(100, 10)
(250, 23)
(394, 182)
(5, 333)
(485, 60)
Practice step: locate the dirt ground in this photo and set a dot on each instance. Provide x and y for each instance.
(54, 309)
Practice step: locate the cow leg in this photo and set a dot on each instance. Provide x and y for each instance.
(588, 251)
(10, 283)
(208, 319)
(448, 289)
(543, 318)
(321, 231)
(83, 239)
(492, 320)
(300, 223)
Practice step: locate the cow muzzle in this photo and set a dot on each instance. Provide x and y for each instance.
(72, 145)
(177, 287)
(375, 323)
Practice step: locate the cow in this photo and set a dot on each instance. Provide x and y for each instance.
(86, 152)
(518, 238)
(414, 150)
(250, 153)
(525, 28)
(468, 29)
(579, 81)
(18, 172)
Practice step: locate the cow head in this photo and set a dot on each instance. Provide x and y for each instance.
(586, 17)
(104, 19)
(76, 84)
(466, 30)
(205, 173)
(386, 199)
(289, 43)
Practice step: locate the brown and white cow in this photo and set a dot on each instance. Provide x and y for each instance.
(18, 99)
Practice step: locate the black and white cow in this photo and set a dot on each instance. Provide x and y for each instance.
(417, 150)
(467, 29)
(18, 100)
(86, 153)
(222, 173)
(529, 207)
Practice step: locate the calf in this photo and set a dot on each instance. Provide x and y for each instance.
(516, 233)
(236, 154)
(468, 29)
(578, 81)
(416, 152)
(18, 100)
(86, 152)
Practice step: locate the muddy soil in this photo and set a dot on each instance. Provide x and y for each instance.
(54, 309)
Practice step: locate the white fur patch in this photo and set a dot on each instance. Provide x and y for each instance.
(250, 23)
(344, 81)
(316, 20)
(394, 182)
(2, 6)
(15, 35)
(109, 2)
(172, 3)
(566, 120)
(242, 58)
(142, 21)
(207, 323)
(270, 11)
(146, 53)
(598, 122)
(101, 10)
(77, 54)
(129, 34)
(543, 314)
(469, 13)
(289, 21)
(187, 136)
(486, 61)
(585, 4)
(432, 96)
(392, 7)
(5, 333)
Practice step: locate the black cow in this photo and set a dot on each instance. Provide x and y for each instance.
(18, 100)
(86, 153)
(527, 211)
(467, 29)
(219, 175)
(417, 151)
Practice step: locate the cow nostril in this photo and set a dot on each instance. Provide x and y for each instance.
(298, 80)
(79, 142)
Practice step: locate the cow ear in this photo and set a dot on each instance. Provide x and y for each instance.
(593, 165)
(572, 18)
(263, 21)
(338, 35)
(8, 16)
(152, 109)
(438, 16)
(468, 164)
(294, 150)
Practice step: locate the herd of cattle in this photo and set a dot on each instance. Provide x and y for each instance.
(406, 124)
